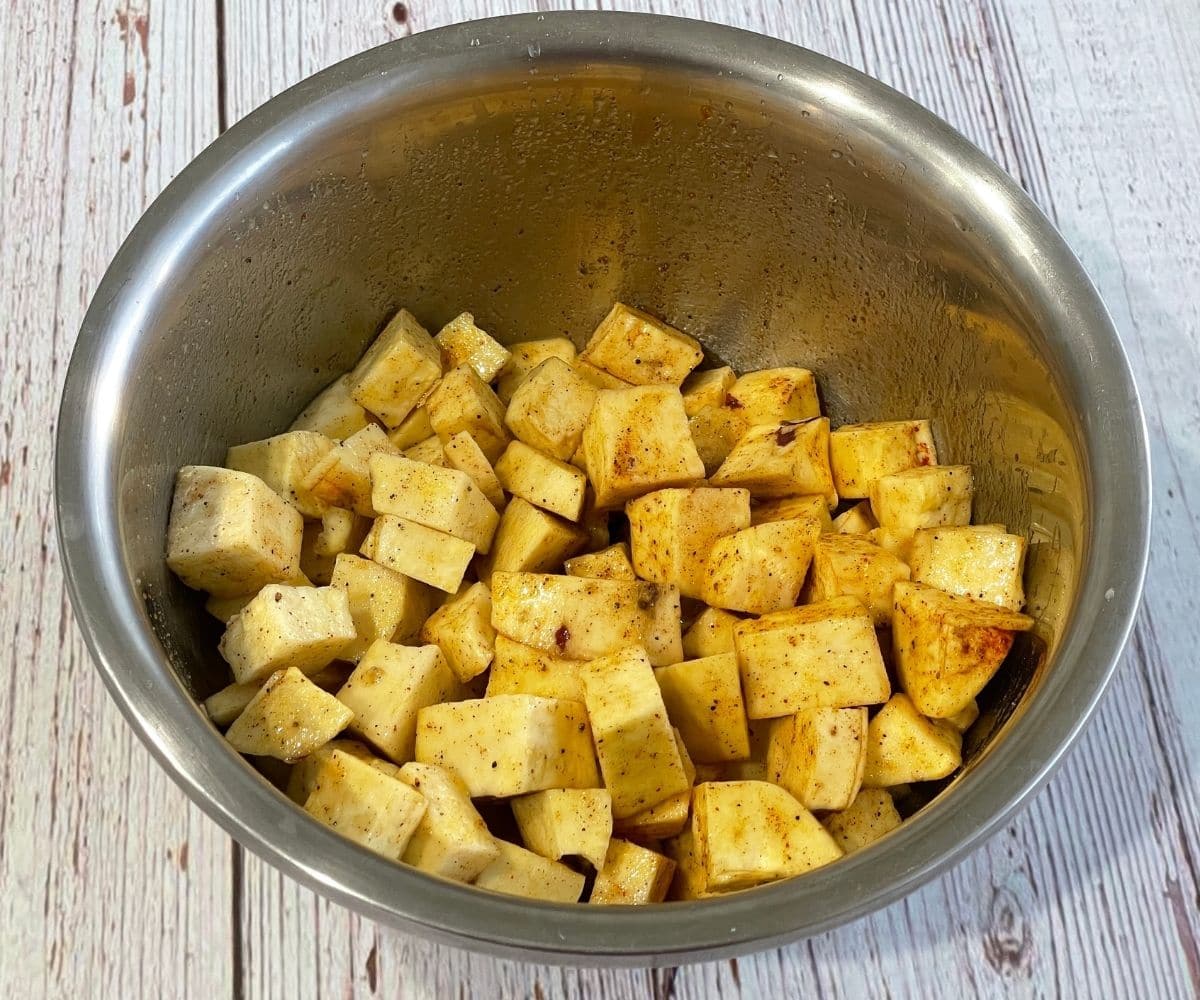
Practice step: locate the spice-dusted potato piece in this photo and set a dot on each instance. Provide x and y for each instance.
(566, 822)
(388, 689)
(303, 774)
(445, 499)
(541, 480)
(746, 833)
(704, 701)
(342, 477)
(412, 430)
(510, 744)
(898, 543)
(333, 412)
(598, 378)
(637, 440)
(301, 627)
(668, 817)
(711, 633)
(818, 755)
(431, 451)
(634, 742)
(773, 395)
(549, 409)
(663, 641)
(862, 453)
(283, 462)
(640, 349)
(974, 562)
(948, 647)
(858, 520)
(925, 497)
(397, 370)
(462, 629)
(715, 429)
(903, 746)
(461, 452)
(521, 669)
(530, 540)
(230, 533)
(340, 531)
(383, 603)
(462, 401)
(762, 568)
(518, 872)
(706, 388)
(362, 802)
(526, 356)
(574, 617)
(965, 718)
(425, 554)
(792, 508)
(871, 815)
(778, 460)
(632, 876)
(463, 343)
(672, 531)
(288, 718)
(611, 563)
(452, 839)
(822, 654)
(847, 565)
(227, 704)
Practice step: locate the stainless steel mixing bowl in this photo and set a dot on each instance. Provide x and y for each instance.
(782, 207)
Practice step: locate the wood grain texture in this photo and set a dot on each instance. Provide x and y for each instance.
(1093, 890)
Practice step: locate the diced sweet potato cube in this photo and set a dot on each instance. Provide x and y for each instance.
(333, 412)
(549, 409)
(858, 520)
(711, 633)
(531, 540)
(383, 603)
(397, 370)
(632, 876)
(778, 460)
(762, 568)
(452, 839)
(518, 872)
(640, 349)
(542, 481)
(462, 453)
(791, 508)
(288, 718)
(444, 499)
(464, 402)
(847, 565)
(704, 701)
(463, 343)
(974, 562)
(425, 554)
(706, 388)
(342, 478)
(283, 462)
(462, 629)
(611, 563)
(869, 817)
(521, 669)
(903, 746)
(863, 453)
(774, 395)
(413, 429)
(818, 755)
(566, 822)
(526, 356)
(924, 497)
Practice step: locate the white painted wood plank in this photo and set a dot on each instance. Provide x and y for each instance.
(113, 884)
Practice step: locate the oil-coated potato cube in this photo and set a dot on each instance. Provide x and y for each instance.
(431, 451)
(387, 691)
(869, 817)
(774, 395)
(521, 669)
(641, 349)
(425, 554)
(444, 499)
(227, 704)
(704, 701)
(964, 719)
(229, 533)
(632, 876)
(637, 440)
(791, 508)
(706, 388)
(301, 627)
(862, 453)
(925, 497)
(715, 429)
(711, 633)
(288, 718)
(634, 742)
(850, 566)
(462, 453)
(397, 370)
(518, 872)
(283, 462)
(779, 460)
(333, 412)
(611, 563)
(340, 531)
(858, 520)
(462, 629)
(542, 481)
(526, 356)
(819, 655)
(303, 774)
(746, 833)
(383, 603)
(463, 343)
(971, 561)
(566, 822)
(948, 647)
(342, 477)
(530, 540)
(762, 568)
(598, 378)
(413, 429)
(668, 817)
(361, 802)
(898, 543)
(818, 755)
(452, 839)
(672, 531)
(462, 401)
(549, 409)
(510, 744)
(903, 746)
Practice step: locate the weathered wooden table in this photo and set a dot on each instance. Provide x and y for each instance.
(113, 885)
